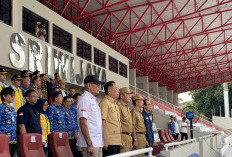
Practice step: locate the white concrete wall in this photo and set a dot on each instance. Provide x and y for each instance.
(183, 151)
(6, 31)
(154, 90)
(170, 96)
(143, 84)
(223, 122)
(163, 93)
(175, 99)
(204, 147)
(132, 79)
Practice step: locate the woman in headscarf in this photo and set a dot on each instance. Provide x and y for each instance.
(42, 106)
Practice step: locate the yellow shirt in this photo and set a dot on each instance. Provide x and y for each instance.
(45, 125)
(110, 113)
(125, 117)
(137, 120)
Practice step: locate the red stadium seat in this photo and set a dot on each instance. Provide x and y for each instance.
(169, 138)
(59, 144)
(163, 137)
(4, 145)
(30, 145)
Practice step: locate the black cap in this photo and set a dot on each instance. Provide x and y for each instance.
(14, 77)
(92, 79)
(171, 117)
(3, 71)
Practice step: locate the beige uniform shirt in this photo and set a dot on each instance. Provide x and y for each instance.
(137, 120)
(110, 113)
(125, 117)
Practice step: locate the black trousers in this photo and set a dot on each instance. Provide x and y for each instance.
(177, 136)
(12, 149)
(112, 149)
(72, 144)
(184, 135)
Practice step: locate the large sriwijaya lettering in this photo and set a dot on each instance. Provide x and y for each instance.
(16, 41)
(63, 63)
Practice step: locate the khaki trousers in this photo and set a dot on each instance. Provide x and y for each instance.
(97, 152)
(127, 139)
(141, 140)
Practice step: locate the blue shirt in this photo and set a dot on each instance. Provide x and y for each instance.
(171, 126)
(70, 123)
(74, 111)
(148, 125)
(8, 122)
(56, 116)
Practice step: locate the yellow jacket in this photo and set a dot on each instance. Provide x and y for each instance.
(1, 90)
(45, 125)
(18, 99)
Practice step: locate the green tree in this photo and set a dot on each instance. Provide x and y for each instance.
(210, 98)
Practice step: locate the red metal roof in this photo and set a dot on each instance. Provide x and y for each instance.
(182, 44)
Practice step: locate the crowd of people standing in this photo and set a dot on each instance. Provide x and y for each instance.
(34, 103)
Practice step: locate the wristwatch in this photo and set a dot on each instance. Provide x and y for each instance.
(89, 143)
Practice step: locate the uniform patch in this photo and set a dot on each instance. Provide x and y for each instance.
(20, 113)
(83, 110)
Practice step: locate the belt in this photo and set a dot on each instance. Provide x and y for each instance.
(126, 133)
(144, 133)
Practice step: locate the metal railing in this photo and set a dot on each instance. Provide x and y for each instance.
(166, 146)
(175, 109)
(135, 152)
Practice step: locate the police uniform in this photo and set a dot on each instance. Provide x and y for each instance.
(56, 116)
(110, 113)
(38, 91)
(44, 90)
(126, 122)
(138, 122)
(148, 123)
(30, 117)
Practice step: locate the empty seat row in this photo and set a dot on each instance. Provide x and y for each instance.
(30, 145)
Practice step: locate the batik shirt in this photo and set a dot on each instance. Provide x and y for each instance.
(70, 123)
(74, 111)
(56, 116)
(8, 122)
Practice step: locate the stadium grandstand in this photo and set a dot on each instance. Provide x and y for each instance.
(155, 48)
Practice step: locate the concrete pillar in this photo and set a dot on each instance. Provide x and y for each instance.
(142, 84)
(175, 99)
(154, 90)
(163, 93)
(170, 96)
(132, 79)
